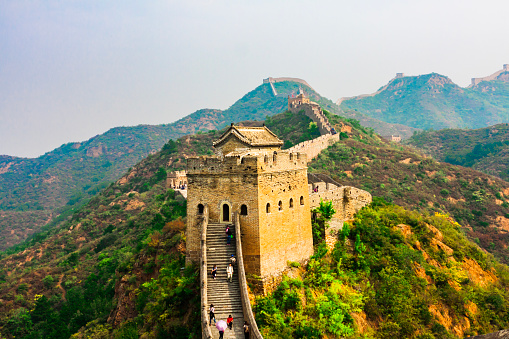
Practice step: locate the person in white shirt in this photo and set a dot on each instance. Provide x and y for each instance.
(229, 272)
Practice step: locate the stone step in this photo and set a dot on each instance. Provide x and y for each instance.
(224, 295)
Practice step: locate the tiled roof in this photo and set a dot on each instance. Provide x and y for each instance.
(252, 136)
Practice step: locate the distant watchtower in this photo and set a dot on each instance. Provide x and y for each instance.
(267, 187)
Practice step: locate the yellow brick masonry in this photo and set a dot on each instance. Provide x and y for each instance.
(313, 147)
(270, 239)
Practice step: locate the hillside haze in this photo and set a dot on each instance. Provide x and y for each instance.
(434, 101)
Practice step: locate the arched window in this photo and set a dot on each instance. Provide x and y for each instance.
(280, 205)
(274, 157)
(200, 208)
(242, 160)
(291, 202)
(243, 210)
(268, 208)
(291, 156)
(265, 159)
(301, 200)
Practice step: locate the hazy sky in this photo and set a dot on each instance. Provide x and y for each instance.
(72, 69)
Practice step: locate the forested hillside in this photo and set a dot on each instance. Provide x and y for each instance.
(434, 101)
(483, 149)
(479, 202)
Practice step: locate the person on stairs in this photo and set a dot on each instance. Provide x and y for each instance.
(214, 271)
(233, 260)
(246, 330)
(212, 315)
(229, 321)
(229, 272)
(228, 235)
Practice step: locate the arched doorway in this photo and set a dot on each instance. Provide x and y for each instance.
(226, 214)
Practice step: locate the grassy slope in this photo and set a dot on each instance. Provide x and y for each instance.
(433, 101)
(484, 149)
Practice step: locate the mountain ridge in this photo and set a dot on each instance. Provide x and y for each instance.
(434, 101)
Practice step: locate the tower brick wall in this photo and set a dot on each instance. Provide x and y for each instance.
(271, 237)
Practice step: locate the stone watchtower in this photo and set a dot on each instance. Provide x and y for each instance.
(266, 186)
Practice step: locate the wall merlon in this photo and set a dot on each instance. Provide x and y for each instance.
(262, 162)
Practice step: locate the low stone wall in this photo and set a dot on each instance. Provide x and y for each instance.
(313, 147)
(206, 332)
(246, 303)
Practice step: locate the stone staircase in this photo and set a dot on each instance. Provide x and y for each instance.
(224, 295)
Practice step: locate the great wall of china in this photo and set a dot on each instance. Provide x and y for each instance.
(230, 189)
(271, 81)
(494, 76)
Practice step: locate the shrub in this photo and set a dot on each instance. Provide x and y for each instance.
(48, 281)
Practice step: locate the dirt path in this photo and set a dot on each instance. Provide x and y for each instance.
(59, 285)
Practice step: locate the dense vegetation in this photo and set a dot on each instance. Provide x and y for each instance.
(434, 101)
(484, 149)
(112, 270)
(393, 274)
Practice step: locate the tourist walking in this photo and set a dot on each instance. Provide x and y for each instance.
(221, 327)
(229, 321)
(229, 272)
(214, 271)
(246, 330)
(212, 315)
(228, 235)
(233, 260)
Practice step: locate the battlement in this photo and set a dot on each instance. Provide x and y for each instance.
(313, 147)
(247, 163)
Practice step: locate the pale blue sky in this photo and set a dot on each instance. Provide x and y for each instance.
(72, 69)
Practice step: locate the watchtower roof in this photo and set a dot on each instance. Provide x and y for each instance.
(251, 136)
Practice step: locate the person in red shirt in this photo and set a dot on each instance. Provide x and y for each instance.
(229, 321)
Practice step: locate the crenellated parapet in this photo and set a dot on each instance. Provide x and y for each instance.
(247, 162)
(313, 147)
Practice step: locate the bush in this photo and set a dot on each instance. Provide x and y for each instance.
(48, 281)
